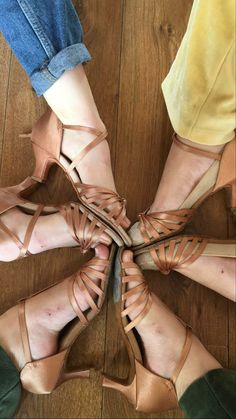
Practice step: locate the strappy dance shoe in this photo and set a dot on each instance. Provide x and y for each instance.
(47, 137)
(85, 228)
(178, 252)
(146, 391)
(45, 375)
(222, 174)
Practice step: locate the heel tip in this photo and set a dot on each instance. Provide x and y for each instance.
(36, 179)
(233, 211)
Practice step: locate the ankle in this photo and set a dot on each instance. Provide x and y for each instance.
(197, 364)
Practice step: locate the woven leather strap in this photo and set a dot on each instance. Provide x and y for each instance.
(84, 227)
(154, 226)
(176, 253)
(104, 199)
(85, 281)
(143, 300)
(23, 245)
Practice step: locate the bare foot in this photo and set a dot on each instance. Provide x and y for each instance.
(163, 337)
(95, 168)
(71, 99)
(47, 313)
(50, 232)
(182, 172)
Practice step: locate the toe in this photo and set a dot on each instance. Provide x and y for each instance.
(102, 251)
(135, 235)
(127, 256)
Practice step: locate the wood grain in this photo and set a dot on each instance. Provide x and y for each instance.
(133, 43)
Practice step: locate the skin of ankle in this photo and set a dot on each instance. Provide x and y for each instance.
(216, 273)
(50, 232)
(197, 364)
(70, 97)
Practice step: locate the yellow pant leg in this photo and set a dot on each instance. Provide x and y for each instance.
(199, 90)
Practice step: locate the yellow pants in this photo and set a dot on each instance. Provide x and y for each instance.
(199, 90)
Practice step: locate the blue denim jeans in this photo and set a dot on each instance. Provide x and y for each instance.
(46, 37)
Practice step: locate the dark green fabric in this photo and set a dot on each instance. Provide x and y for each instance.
(10, 388)
(211, 396)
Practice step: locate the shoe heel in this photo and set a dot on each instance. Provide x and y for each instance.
(43, 163)
(232, 198)
(129, 391)
(227, 170)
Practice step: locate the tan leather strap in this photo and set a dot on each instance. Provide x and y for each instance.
(177, 253)
(24, 332)
(12, 235)
(82, 128)
(23, 247)
(143, 300)
(155, 225)
(85, 281)
(24, 250)
(184, 354)
(105, 200)
(190, 149)
(101, 137)
(84, 230)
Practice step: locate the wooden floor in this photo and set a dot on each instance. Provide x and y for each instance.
(133, 43)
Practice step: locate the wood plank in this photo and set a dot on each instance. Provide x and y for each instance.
(151, 36)
(72, 399)
(133, 45)
(231, 305)
(5, 58)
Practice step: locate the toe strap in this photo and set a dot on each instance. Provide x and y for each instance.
(156, 225)
(177, 253)
(105, 200)
(84, 227)
(84, 280)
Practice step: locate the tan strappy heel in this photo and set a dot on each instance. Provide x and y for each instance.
(181, 251)
(45, 375)
(146, 391)
(46, 137)
(222, 174)
(85, 228)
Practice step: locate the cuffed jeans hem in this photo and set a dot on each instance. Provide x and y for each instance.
(51, 71)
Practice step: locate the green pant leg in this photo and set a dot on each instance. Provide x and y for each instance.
(211, 396)
(10, 388)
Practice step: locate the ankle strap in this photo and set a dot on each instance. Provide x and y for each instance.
(23, 246)
(184, 354)
(193, 150)
(24, 332)
(99, 138)
(82, 128)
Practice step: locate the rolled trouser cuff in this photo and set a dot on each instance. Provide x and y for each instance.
(211, 396)
(10, 387)
(51, 71)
